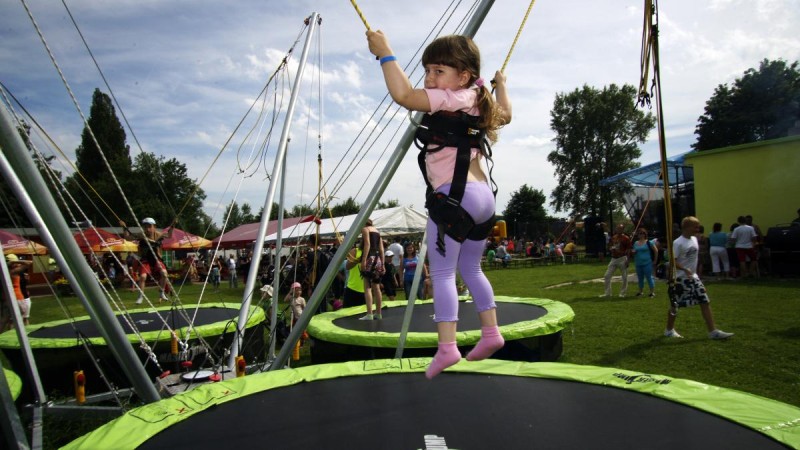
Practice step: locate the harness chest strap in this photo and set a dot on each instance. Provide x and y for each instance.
(452, 129)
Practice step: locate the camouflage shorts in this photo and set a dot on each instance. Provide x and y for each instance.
(691, 291)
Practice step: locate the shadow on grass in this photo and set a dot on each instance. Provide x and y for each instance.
(641, 349)
(599, 299)
(789, 333)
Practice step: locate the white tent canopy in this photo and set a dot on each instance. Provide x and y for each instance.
(390, 222)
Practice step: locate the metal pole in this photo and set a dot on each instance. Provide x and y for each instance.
(22, 336)
(276, 280)
(276, 169)
(412, 296)
(10, 423)
(20, 164)
(372, 199)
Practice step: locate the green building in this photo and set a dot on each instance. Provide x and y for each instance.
(761, 179)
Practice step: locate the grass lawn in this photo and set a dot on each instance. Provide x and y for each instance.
(762, 358)
(627, 333)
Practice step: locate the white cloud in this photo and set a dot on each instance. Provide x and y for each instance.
(186, 72)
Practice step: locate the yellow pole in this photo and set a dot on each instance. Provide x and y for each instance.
(516, 38)
(360, 14)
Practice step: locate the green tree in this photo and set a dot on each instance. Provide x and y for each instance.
(273, 213)
(12, 214)
(300, 211)
(247, 214)
(598, 133)
(525, 213)
(232, 217)
(390, 203)
(94, 184)
(347, 207)
(161, 188)
(762, 104)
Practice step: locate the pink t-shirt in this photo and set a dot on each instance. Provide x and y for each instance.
(441, 165)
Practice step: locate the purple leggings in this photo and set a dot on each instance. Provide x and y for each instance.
(479, 203)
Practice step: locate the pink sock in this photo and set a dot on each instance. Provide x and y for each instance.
(446, 356)
(491, 341)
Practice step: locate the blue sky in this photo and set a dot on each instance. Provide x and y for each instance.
(185, 73)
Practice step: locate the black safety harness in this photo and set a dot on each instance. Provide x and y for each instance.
(453, 129)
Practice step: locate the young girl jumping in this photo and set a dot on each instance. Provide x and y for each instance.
(453, 84)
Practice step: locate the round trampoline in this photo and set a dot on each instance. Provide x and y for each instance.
(487, 404)
(58, 352)
(531, 327)
(14, 383)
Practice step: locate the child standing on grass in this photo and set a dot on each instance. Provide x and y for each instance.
(453, 84)
(691, 290)
(296, 301)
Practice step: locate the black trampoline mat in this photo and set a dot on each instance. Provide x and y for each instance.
(144, 321)
(469, 411)
(422, 320)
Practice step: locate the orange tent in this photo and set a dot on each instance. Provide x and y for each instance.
(18, 245)
(181, 240)
(99, 240)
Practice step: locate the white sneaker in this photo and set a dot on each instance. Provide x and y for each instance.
(366, 317)
(139, 300)
(604, 296)
(164, 296)
(621, 295)
(719, 334)
(672, 334)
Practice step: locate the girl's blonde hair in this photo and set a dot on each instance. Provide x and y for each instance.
(461, 53)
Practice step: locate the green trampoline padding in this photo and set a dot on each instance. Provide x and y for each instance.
(777, 420)
(14, 383)
(557, 317)
(9, 339)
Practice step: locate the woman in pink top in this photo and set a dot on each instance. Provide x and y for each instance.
(453, 83)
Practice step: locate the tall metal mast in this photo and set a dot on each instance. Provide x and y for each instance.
(313, 22)
(52, 227)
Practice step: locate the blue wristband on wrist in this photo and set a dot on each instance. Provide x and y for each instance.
(386, 59)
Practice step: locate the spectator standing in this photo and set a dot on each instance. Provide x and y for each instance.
(745, 240)
(719, 254)
(233, 279)
(24, 280)
(354, 286)
(17, 269)
(645, 256)
(215, 274)
(619, 247)
(692, 291)
(407, 270)
(397, 250)
(52, 268)
(296, 301)
(372, 269)
(389, 278)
